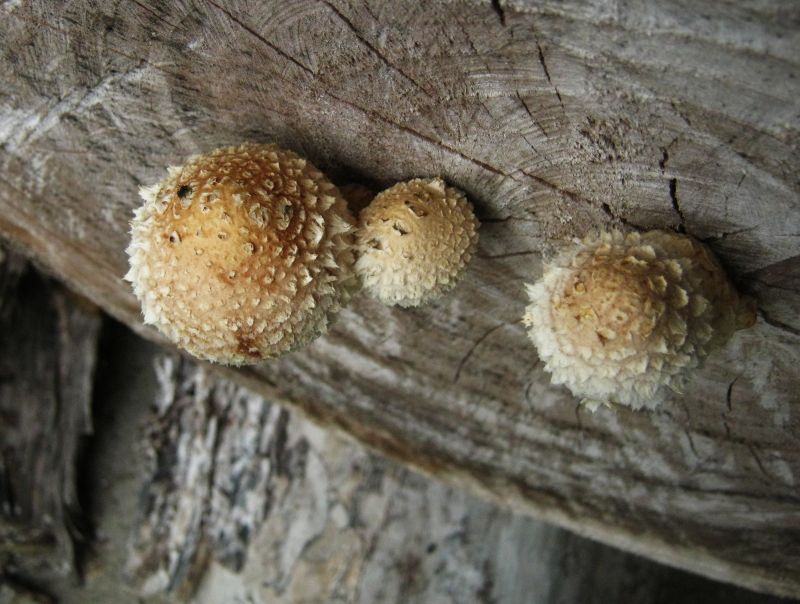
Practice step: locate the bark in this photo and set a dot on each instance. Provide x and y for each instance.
(555, 118)
(47, 360)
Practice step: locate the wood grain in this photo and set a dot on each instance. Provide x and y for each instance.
(556, 118)
(213, 461)
(320, 519)
(47, 359)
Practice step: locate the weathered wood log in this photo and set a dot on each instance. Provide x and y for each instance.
(213, 454)
(555, 119)
(47, 360)
(246, 502)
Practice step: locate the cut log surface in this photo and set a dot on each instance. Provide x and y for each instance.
(555, 118)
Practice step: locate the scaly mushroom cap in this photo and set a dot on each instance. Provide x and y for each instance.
(414, 242)
(623, 318)
(242, 254)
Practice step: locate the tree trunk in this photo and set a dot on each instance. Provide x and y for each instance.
(556, 119)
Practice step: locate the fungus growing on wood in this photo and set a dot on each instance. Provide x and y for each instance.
(414, 242)
(242, 254)
(625, 318)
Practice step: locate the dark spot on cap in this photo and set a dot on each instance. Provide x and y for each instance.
(246, 345)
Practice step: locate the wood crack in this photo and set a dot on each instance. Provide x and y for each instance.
(547, 73)
(729, 393)
(725, 234)
(530, 114)
(472, 349)
(258, 36)
(664, 159)
(605, 207)
(150, 10)
(425, 137)
(764, 283)
(576, 197)
(662, 163)
(691, 443)
(673, 187)
(343, 18)
(673, 196)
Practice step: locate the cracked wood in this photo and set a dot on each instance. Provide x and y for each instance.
(556, 119)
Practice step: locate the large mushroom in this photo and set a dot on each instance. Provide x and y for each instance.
(625, 318)
(242, 254)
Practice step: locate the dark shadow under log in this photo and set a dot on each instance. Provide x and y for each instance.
(47, 362)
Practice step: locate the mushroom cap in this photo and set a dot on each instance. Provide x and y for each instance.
(414, 242)
(242, 254)
(625, 318)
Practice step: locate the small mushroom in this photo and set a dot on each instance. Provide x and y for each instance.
(625, 318)
(414, 242)
(242, 254)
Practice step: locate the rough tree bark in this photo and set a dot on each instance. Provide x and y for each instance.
(47, 359)
(556, 118)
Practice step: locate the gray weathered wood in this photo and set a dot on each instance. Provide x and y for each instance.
(343, 525)
(47, 360)
(555, 118)
(320, 519)
(213, 454)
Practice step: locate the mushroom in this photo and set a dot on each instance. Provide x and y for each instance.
(242, 254)
(625, 318)
(414, 242)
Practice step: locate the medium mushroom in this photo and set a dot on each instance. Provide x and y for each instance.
(414, 242)
(242, 254)
(625, 318)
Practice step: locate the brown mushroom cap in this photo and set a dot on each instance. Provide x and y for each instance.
(242, 254)
(414, 242)
(625, 318)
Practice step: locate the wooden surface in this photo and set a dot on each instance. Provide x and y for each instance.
(47, 360)
(555, 118)
(318, 518)
(341, 525)
(214, 459)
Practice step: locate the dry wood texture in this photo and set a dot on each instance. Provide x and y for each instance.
(328, 522)
(214, 456)
(47, 359)
(555, 117)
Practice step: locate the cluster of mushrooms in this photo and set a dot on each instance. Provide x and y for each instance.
(249, 252)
